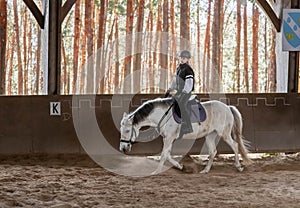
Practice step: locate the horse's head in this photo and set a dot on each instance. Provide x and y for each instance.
(128, 133)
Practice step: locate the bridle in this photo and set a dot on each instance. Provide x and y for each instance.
(130, 141)
(158, 128)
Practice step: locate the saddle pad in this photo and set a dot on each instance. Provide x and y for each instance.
(197, 114)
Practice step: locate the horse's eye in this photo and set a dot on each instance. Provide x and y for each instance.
(127, 131)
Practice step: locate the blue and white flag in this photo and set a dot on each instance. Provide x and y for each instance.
(291, 30)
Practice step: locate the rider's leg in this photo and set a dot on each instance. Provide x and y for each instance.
(186, 126)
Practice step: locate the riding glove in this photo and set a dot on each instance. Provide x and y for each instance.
(167, 93)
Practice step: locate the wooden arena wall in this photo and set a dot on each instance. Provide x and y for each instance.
(271, 122)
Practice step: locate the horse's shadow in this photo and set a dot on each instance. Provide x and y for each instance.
(192, 165)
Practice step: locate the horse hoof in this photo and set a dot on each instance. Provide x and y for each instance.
(204, 171)
(154, 173)
(240, 169)
(180, 167)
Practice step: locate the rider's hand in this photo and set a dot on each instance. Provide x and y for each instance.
(167, 93)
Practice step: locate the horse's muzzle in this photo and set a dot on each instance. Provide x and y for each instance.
(125, 148)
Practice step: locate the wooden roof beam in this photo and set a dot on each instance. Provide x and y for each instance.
(270, 13)
(66, 8)
(36, 12)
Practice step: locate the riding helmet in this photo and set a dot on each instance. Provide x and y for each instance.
(185, 54)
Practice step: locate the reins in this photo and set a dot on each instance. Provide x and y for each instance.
(163, 117)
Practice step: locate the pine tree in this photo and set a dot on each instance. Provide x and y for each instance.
(255, 26)
(3, 26)
(18, 43)
(76, 42)
(128, 50)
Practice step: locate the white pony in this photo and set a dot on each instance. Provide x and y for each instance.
(222, 122)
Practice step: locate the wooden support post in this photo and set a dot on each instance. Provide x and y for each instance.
(36, 12)
(293, 75)
(270, 13)
(66, 8)
(293, 71)
(54, 47)
(56, 15)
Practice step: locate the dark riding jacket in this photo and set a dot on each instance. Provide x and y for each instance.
(184, 79)
(184, 73)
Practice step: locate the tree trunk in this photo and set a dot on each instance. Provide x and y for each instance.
(89, 19)
(76, 46)
(29, 65)
(11, 63)
(221, 31)
(157, 43)
(3, 26)
(174, 49)
(164, 47)
(150, 81)
(272, 64)
(246, 61)
(206, 57)
(20, 68)
(184, 24)
(266, 52)
(117, 63)
(107, 54)
(83, 64)
(138, 46)
(128, 49)
(200, 69)
(64, 69)
(215, 77)
(100, 69)
(25, 55)
(238, 48)
(38, 62)
(255, 25)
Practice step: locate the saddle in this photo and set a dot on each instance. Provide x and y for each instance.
(195, 110)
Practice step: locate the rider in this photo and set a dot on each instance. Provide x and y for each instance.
(183, 82)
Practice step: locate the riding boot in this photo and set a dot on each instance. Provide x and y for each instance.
(186, 127)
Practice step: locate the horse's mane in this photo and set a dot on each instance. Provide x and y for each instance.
(146, 108)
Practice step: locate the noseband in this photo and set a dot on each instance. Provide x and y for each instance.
(131, 136)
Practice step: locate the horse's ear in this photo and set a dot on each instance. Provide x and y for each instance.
(130, 118)
(124, 114)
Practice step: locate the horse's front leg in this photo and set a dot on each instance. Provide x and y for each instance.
(166, 155)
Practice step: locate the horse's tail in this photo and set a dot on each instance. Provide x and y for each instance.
(238, 137)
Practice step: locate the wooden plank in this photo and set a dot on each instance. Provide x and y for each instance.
(66, 8)
(293, 67)
(293, 71)
(36, 12)
(54, 42)
(270, 13)
(271, 123)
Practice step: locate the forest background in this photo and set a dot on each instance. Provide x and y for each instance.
(132, 46)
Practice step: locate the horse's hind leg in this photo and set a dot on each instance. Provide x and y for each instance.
(234, 146)
(210, 142)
